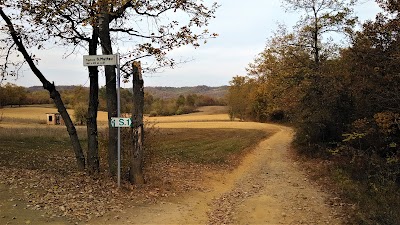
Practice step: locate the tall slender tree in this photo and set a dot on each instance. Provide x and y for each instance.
(17, 44)
(320, 18)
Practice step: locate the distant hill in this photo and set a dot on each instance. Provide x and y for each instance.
(59, 88)
(164, 92)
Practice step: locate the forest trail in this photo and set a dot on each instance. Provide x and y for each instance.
(268, 187)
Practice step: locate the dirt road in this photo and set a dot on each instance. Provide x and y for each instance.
(267, 188)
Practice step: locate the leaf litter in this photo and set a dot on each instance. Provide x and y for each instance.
(80, 197)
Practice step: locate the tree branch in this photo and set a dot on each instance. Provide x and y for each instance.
(17, 40)
(73, 27)
(120, 11)
(134, 33)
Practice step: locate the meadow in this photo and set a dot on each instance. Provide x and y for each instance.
(35, 158)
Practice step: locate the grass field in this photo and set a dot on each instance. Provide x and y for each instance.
(36, 115)
(206, 146)
(196, 137)
(38, 163)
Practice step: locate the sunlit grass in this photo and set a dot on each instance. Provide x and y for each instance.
(202, 137)
(204, 145)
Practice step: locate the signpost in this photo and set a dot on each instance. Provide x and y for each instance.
(99, 60)
(121, 122)
(110, 60)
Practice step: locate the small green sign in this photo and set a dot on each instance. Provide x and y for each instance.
(121, 122)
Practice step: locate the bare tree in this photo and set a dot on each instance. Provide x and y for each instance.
(18, 44)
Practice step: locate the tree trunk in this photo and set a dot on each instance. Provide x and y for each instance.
(136, 161)
(54, 94)
(111, 91)
(92, 133)
(315, 34)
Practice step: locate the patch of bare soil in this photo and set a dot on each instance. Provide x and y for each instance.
(268, 187)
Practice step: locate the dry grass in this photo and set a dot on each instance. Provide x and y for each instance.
(31, 115)
(37, 160)
(212, 110)
(205, 146)
(37, 115)
(27, 112)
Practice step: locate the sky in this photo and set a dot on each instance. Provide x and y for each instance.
(243, 28)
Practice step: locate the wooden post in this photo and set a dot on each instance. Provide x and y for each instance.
(136, 161)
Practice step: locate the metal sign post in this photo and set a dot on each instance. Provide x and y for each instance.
(119, 128)
(110, 60)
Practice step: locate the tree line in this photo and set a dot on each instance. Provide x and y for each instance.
(77, 98)
(343, 100)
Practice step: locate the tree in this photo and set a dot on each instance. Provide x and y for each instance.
(17, 44)
(316, 120)
(78, 23)
(238, 97)
(281, 75)
(191, 100)
(136, 161)
(148, 102)
(373, 62)
(80, 113)
(180, 102)
(321, 17)
(11, 94)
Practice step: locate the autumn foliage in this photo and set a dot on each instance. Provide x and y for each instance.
(344, 102)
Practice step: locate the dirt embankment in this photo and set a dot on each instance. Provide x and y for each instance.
(267, 188)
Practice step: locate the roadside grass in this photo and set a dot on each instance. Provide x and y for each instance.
(371, 186)
(366, 194)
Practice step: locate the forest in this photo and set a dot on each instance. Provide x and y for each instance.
(342, 95)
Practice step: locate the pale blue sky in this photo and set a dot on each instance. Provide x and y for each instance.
(243, 28)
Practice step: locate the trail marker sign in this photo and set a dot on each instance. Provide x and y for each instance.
(99, 60)
(111, 60)
(121, 122)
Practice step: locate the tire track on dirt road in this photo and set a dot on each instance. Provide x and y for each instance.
(271, 189)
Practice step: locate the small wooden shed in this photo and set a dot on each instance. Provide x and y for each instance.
(54, 119)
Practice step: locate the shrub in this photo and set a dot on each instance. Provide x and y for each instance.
(80, 113)
(185, 110)
(153, 113)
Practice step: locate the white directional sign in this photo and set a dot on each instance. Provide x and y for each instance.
(99, 60)
(121, 122)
